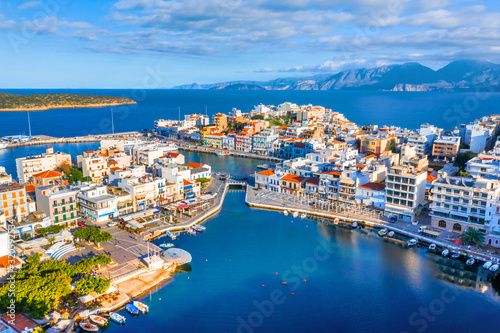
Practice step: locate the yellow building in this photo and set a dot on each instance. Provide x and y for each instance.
(375, 144)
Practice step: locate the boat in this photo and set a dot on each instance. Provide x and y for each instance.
(470, 262)
(494, 268)
(487, 264)
(391, 233)
(3, 145)
(141, 306)
(432, 246)
(220, 153)
(382, 232)
(202, 227)
(295, 214)
(132, 309)
(166, 245)
(455, 255)
(445, 252)
(171, 235)
(89, 327)
(196, 228)
(412, 242)
(303, 215)
(170, 147)
(336, 221)
(116, 317)
(285, 212)
(354, 225)
(190, 231)
(101, 321)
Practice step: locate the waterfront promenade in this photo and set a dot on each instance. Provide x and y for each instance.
(275, 201)
(48, 140)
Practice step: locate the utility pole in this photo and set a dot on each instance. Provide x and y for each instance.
(29, 123)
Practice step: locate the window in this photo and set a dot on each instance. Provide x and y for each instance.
(442, 224)
(457, 227)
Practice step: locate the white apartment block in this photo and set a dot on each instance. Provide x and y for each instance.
(30, 165)
(460, 203)
(405, 191)
(93, 165)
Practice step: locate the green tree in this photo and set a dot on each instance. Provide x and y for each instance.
(88, 284)
(203, 180)
(462, 158)
(473, 236)
(93, 234)
(75, 176)
(392, 147)
(258, 117)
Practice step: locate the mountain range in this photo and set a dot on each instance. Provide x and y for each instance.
(456, 76)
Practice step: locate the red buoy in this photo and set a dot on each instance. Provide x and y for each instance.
(293, 294)
(283, 282)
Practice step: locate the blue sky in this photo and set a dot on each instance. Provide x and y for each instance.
(158, 43)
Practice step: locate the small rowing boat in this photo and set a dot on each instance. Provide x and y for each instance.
(166, 245)
(141, 306)
(132, 309)
(391, 233)
(295, 214)
(382, 232)
(470, 262)
(303, 215)
(285, 212)
(101, 321)
(116, 317)
(432, 246)
(86, 326)
(412, 242)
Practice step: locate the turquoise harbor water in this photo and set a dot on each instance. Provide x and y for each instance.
(355, 282)
(408, 109)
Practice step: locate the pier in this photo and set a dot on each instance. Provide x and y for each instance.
(253, 199)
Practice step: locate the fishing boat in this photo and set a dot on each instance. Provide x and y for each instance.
(116, 317)
(455, 255)
(171, 235)
(295, 214)
(89, 327)
(101, 321)
(470, 262)
(166, 245)
(412, 242)
(487, 264)
(382, 232)
(132, 309)
(220, 153)
(303, 215)
(285, 212)
(190, 231)
(391, 233)
(432, 246)
(196, 228)
(202, 227)
(336, 221)
(494, 268)
(3, 145)
(141, 306)
(354, 225)
(445, 252)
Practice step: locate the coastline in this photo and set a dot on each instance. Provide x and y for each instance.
(99, 105)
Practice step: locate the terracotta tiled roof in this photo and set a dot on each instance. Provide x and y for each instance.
(266, 172)
(336, 173)
(173, 154)
(293, 178)
(373, 186)
(30, 188)
(195, 165)
(48, 174)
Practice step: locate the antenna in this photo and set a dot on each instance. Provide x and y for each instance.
(29, 123)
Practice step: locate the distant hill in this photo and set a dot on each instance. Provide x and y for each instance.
(456, 76)
(38, 102)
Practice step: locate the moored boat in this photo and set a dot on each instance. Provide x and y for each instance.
(116, 317)
(295, 214)
(166, 245)
(470, 262)
(303, 215)
(141, 306)
(89, 327)
(132, 309)
(354, 225)
(170, 235)
(445, 252)
(432, 246)
(285, 212)
(455, 255)
(382, 232)
(336, 221)
(202, 227)
(101, 321)
(494, 268)
(390, 233)
(412, 242)
(196, 228)
(487, 264)
(190, 231)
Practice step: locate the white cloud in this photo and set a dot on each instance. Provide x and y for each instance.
(29, 4)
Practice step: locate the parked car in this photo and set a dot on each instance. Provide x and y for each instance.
(393, 218)
(81, 224)
(111, 224)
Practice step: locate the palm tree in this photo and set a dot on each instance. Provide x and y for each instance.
(473, 236)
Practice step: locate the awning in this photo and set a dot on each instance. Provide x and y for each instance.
(190, 194)
(189, 187)
(183, 206)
